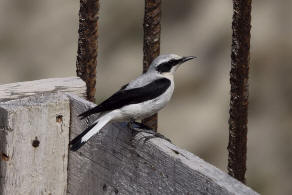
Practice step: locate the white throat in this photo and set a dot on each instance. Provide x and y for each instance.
(168, 75)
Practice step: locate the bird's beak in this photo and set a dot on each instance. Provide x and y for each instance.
(184, 59)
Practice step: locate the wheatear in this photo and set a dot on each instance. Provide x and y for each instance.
(138, 99)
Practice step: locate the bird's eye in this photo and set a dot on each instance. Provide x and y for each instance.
(166, 66)
(173, 62)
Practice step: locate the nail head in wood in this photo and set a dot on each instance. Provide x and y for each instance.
(35, 142)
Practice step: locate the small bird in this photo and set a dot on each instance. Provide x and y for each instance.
(138, 99)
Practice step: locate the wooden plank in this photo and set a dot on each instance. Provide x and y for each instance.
(115, 162)
(13, 91)
(34, 136)
(29, 165)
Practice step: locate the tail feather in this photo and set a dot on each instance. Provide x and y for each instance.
(76, 143)
(90, 131)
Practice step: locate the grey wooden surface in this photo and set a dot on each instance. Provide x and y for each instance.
(34, 136)
(115, 162)
(72, 85)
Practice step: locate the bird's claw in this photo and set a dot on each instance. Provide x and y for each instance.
(143, 128)
(154, 135)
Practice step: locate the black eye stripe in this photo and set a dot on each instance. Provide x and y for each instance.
(166, 66)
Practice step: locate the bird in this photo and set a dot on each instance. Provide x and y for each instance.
(139, 99)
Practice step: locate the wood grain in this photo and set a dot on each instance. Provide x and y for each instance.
(115, 162)
(34, 135)
(13, 91)
(34, 138)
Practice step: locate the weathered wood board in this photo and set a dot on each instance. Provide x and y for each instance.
(115, 162)
(34, 135)
(34, 145)
(13, 91)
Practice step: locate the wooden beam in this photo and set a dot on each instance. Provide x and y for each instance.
(18, 90)
(115, 162)
(34, 143)
(34, 135)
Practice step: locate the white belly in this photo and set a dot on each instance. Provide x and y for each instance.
(147, 108)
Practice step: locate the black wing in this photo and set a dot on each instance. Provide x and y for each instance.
(124, 86)
(131, 96)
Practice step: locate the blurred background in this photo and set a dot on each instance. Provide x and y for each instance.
(38, 39)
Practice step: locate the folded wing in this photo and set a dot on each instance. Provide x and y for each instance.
(130, 96)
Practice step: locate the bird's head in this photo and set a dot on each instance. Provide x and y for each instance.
(168, 64)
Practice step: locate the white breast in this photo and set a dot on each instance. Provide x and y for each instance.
(148, 108)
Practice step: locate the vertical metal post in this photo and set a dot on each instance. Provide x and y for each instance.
(87, 45)
(151, 44)
(239, 89)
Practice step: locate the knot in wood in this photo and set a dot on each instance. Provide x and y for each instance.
(59, 118)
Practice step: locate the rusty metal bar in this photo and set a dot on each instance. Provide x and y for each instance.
(151, 44)
(239, 89)
(87, 45)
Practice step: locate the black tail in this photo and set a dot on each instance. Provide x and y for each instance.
(76, 143)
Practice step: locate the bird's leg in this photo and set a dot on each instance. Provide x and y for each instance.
(144, 128)
(131, 123)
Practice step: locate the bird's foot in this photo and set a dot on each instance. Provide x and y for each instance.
(140, 127)
(155, 135)
(131, 124)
